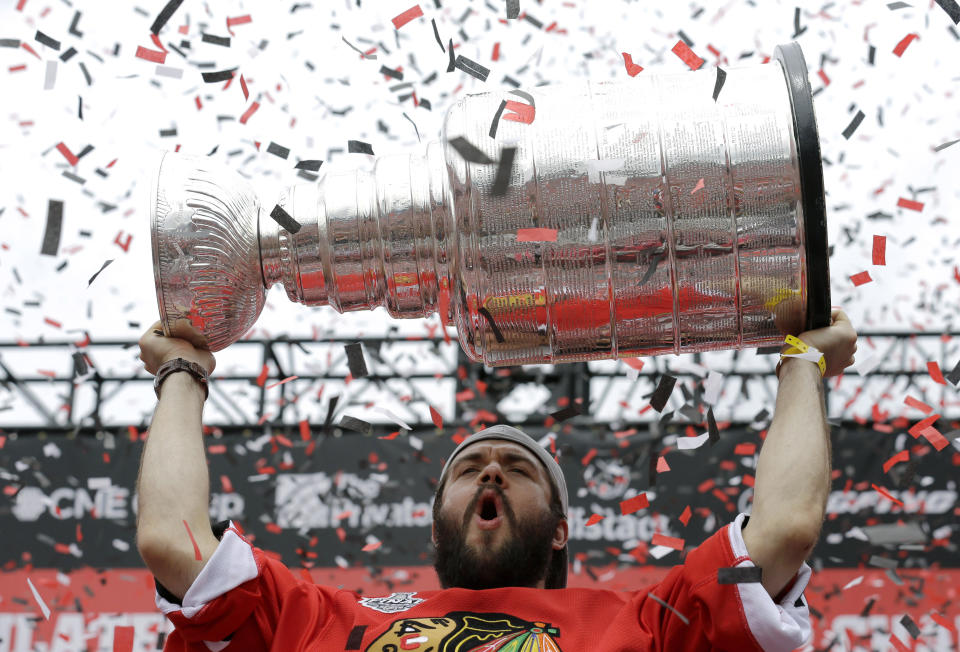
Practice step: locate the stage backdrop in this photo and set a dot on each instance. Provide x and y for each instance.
(355, 511)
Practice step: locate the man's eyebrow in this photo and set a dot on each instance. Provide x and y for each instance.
(508, 457)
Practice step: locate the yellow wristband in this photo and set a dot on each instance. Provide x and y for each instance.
(800, 349)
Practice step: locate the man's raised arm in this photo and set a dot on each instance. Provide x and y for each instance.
(174, 483)
(793, 471)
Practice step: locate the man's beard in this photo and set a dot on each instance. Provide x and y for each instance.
(521, 559)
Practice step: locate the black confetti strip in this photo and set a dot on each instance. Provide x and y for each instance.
(216, 40)
(436, 34)
(471, 67)
(714, 432)
(164, 15)
(501, 182)
(309, 164)
(9, 42)
(497, 334)
(86, 74)
(355, 424)
(739, 575)
(952, 9)
(48, 41)
(390, 72)
(359, 147)
(867, 607)
(663, 391)
(652, 268)
(51, 233)
(852, 127)
(97, 273)
(572, 410)
(721, 77)
(946, 145)
(954, 376)
(284, 219)
(68, 54)
(355, 360)
(218, 76)
(797, 29)
(278, 150)
(453, 62)
(496, 119)
(910, 626)
(79, 363)
(470, 152)
(73, 25)
(513, 8)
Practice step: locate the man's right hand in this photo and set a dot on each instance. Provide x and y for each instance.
(156, 349)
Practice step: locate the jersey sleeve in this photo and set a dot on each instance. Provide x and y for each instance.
(702, 614)
(236, 599)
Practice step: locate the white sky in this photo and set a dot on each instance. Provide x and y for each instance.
(123, 113)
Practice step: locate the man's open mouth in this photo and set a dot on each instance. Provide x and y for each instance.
(489, 510)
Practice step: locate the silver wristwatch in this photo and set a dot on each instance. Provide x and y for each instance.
(180, 364)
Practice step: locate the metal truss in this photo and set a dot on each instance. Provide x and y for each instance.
(68, 386)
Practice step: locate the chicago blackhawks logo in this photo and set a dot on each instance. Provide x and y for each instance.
(461, 631)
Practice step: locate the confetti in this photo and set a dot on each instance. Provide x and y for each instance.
(632, 68)
(513, 8)
(51, 75)
(357, 425)
(524, 113)
(156, 56)
(278, 150)
(893, 6)
(402, 19)
(249, 112)
(662, 393)
(635, 504)
(902, 45)
(943, 622)
(594, 519)
(687, 55)
(497, 334)
(51, 233)
(954, 375)
(355, 360)
(436, 417)
(852, 127)
(919, 405)
(281, 382)
(572, 410)
(685, 515)
(698, 187)
(946, 145)
(712, 431)
(471, 67)
(721, 77)
(470, 152)
(902, 456)
(536, 235)
(97, 273)
(879, 250)
(933, 368)
(196, 548)
(312, 165)
(216, 40)
(284, 219)
(686, 621)
(917, 429)
(36, 596)
(67, 154)
(898, 644)
(218, 76)
(739, 575)
(436, 34)
(886, 494)
(501, 182)
(909, 204)
(359, 147)
(370, 547)
(46, 40)
(691, 443)
(952, 9)
(123, 638)
(165, 14)
(861, 278)
(910, 626)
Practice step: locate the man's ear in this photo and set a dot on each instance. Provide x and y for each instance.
(561, 535)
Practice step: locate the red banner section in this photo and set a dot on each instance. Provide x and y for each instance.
(855, 610)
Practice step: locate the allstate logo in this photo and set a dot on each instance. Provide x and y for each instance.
(31, 503)
(606, 479)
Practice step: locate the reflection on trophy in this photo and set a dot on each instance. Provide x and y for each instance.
(662, 220)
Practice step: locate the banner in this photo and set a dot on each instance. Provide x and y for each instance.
(356, 511)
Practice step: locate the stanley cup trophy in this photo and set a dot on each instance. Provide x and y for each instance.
(572, 222)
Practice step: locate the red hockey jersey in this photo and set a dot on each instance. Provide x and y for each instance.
(245, 600)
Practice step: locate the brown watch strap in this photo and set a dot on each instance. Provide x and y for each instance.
(180, 364)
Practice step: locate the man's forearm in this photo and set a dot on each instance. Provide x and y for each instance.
(793, 471)
(174, 483)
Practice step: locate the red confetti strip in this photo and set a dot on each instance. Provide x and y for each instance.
(239, 20)
(151, 55)
(285, 380)
(687, 55)
(635, 504)
(898, 644)
(196, 548)
(879, 250)
(243, 87)
(402, 19)
(20, 5)
(123, 638)
(123, 244)
(861, 278)
(304, 430)
(249, 112)
(436, 417)
(943, 622)
(53, 323)
(920, 405)
(904, 42)
(910, 204)
(273, 528)
(592, 453)
(632, 68)
(594, 519)
(662, 466)
(521, 112)
(902, 456)
(745, 449)
(934, 370)
(370, 547)
(536, 235)
(495, 56)
(933, 436)
(262, 378)
(67, 154)
(670, 542)
(685, 516)
(886, 494)
(920, 426)
(226, 484)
